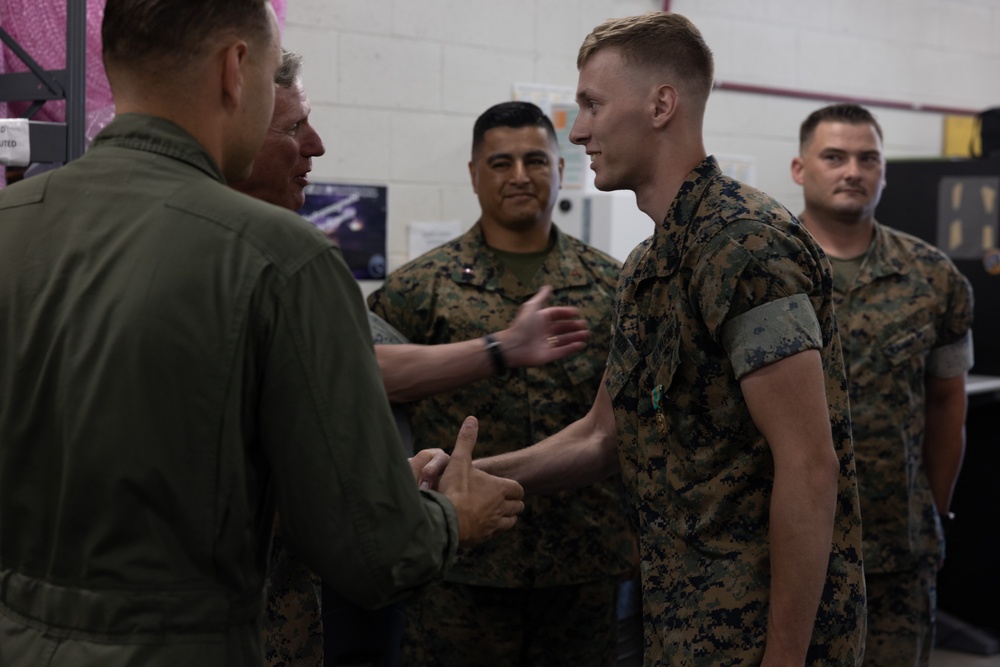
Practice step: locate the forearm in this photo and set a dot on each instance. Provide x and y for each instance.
(411, 372)
(583, 453)
(944, 438)
(802, 516)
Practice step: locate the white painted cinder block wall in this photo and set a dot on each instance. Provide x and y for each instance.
(396, 85)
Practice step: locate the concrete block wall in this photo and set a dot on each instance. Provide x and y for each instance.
(397, 84)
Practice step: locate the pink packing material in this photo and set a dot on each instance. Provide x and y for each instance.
(39, 26)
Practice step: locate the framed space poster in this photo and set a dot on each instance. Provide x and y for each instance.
(354, 217)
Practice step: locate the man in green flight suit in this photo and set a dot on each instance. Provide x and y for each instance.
(172, 371)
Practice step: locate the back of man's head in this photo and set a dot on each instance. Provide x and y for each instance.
(661, 41)
(513, 115)
(165, 36)
(850, 114)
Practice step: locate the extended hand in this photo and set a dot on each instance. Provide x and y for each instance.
(485, 504)
(540, 335)
(427, 466)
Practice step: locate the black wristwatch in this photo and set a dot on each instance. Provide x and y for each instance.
(496, 354)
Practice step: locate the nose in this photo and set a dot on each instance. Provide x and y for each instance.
(519, 173)
(578, 134)
(852, 169)
(312, 144)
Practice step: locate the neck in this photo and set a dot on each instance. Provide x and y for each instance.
(532, 239)
(842, 239)
(681, 153)
(186, 107)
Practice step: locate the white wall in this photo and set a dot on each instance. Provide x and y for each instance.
(397, 84)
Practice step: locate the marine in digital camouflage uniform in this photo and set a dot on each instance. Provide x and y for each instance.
(904, 313)
(725, 408)
(292, 627)
(729, 283)
(461, 290)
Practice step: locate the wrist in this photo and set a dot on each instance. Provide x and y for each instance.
(496, 354)
(947, 521)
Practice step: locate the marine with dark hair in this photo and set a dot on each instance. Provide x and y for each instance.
(348, 633)
(904, 313)
(177, 362)
(545, 593)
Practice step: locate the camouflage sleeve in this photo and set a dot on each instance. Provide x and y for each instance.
(384, 333)
(401, 302)
(948, 361)
(770, 332)
(957, 319)
(753, 286)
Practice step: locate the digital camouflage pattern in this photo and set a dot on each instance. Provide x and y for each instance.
(293, 629)
(901, 609)
(906, 316)
(461, 291)
(507, 627)
(728, 283)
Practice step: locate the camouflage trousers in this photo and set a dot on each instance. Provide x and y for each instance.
(901, 609)
(455, 625)
(293, 629)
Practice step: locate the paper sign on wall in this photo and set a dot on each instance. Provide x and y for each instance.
(425, 236)
(15, 143)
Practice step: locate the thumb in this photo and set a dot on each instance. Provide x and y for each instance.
(541, 297)
(466, 440)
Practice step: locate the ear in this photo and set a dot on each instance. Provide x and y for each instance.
(797, 169)
(562, 163)
(234, 59)
(664, 104)
(472, 175)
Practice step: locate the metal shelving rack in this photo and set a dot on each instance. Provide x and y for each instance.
(53, 142)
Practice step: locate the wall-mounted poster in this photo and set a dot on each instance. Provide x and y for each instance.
(354, 217)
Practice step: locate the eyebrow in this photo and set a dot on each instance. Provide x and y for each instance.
(510, 156)
(834, 149)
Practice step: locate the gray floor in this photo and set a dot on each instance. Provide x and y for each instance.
(946, 658)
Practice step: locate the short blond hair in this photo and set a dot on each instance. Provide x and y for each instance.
(656, 41)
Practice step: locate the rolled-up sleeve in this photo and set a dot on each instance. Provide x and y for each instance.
(771, 332)
(951, 360)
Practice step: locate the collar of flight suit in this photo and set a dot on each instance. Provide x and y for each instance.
(152, 134)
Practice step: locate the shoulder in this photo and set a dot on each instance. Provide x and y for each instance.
(597, 262)
(729, 200)
(735, 216)
(913, 255)
(913, 248)
(283, 237)
(436, 263)
(25, 192)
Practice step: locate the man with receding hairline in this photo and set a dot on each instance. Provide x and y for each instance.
(178, 362)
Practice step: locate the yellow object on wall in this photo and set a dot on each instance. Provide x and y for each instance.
(961, 136)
